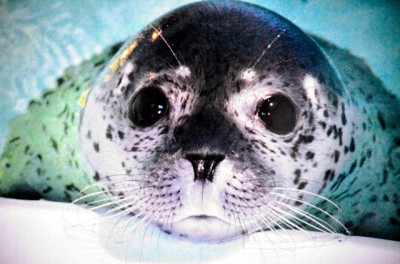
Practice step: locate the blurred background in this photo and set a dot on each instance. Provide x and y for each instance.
(39, 39)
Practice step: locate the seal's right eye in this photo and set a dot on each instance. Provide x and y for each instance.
(148, 106)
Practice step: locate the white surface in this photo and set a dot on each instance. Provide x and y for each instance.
(49, 232)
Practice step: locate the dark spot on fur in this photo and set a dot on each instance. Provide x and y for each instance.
(386, 198)
(297, 178)
(89, 134)
(338, 182)
(381, 121)
(329, 175)
(121, 134)
(134, 149)
(344, 120)
(352, 145)
(27, 148)
(310, 155)
(323, 124)
(299, 201)
(72, 188)
(109, 131)
(329, 131)
(47, 190)
(336, 156)
(339, 135)
(352, 167)
(302, 185)
(54, 144)
(60, 81)
(40, 171)
(96, 146)
(306, 139)
(362, 160)
(96, 176)
(385, 176)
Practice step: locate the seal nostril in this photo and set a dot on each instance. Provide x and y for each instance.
(204, 165)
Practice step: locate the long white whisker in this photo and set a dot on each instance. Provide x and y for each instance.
(325, 226)
(303, 222)
(250, 68)
(315, 207)
(166, 43)
(312, 194)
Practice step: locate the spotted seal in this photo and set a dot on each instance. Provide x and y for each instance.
(218, 120)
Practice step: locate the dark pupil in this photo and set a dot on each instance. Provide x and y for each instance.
(278, 113)
(149, 106)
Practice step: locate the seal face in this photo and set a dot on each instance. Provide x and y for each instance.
(219, 120)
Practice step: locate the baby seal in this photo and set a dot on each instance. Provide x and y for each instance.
(218, 120)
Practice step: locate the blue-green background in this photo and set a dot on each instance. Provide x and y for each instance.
(39, 39)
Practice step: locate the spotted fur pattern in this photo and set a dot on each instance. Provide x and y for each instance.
(344, 150)
(42, 156)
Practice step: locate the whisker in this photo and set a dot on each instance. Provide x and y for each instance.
(113, 234)
(166, 43)
(247, 218)
(250, 68)
(265, 221)
(287, 221)
(316, 208)
(326, 226)
(301, 222)
(90, 195)
(116, 200)
(138, 202)
(312, 194)
(155, 212)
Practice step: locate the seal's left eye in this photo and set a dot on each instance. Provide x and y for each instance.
(278, 113)
(148, 106)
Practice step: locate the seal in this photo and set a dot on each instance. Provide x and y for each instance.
(218, 120)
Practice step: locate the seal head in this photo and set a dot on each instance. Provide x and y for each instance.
(212, 123)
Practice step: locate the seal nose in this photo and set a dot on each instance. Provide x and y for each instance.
(204, 166)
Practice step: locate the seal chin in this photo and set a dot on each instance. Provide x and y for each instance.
(203, 228)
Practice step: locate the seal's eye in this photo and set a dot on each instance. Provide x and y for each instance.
(278, 113)
(148, 106)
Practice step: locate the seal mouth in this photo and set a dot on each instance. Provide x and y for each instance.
(202, 217)
(203, 228)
